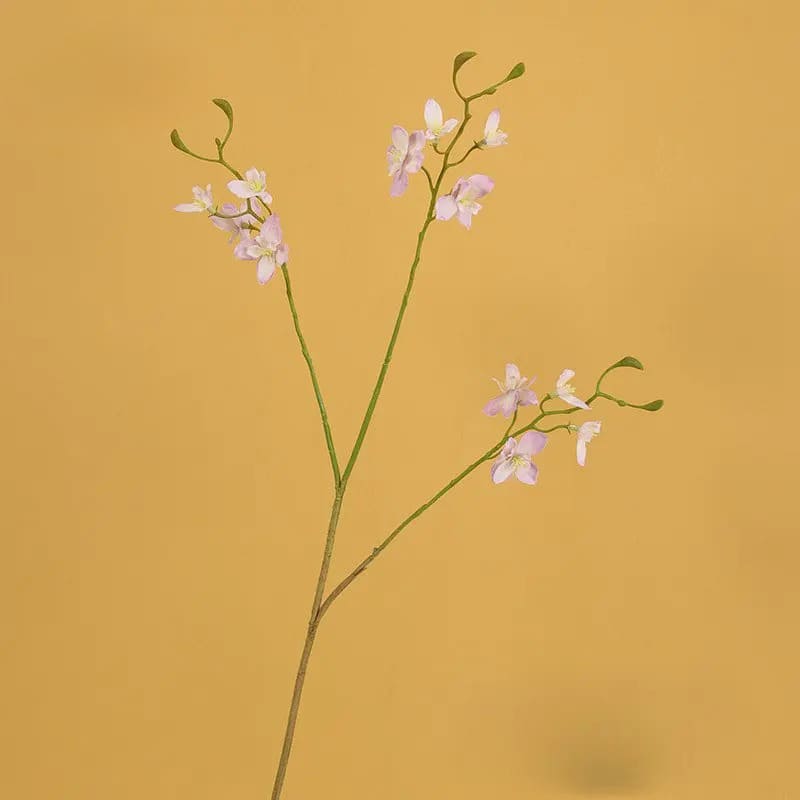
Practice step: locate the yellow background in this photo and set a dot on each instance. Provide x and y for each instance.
(625, 630)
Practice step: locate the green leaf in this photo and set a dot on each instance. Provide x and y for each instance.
(177, 142)
(226, 107)
(628, 361)
(653, 405)
(462, 59)
(517, 72)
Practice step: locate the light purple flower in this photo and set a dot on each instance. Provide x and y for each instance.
(236, 226)
(405, 156)
(253, 185)
(434, 120)
(492, 135)
(463, 199)
(516, 458)
(515, 393)
(567, 392)
(586, 433)
(268, 248)
(203, 201)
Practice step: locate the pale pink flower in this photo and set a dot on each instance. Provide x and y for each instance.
(268, 248)
(586, 433)
(515, 393)
(567, 392)
(492, 135)
(235, 225)
(405, 155)
(253, 185)
(463, 199)
(203, 201)
(516, 458)
(434, 120)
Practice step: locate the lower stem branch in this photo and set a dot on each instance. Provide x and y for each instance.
(311, 635)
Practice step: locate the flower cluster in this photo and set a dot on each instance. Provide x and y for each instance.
(254, 230)
(406, 155)
(516, 456)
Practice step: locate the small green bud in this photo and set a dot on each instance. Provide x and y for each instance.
(490, 90)
(226, 107)
(621, 403)
(628, 361)
(517, 72)
(653, 405)
(462, 59)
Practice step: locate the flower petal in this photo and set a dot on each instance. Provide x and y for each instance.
(188, 208)
(266, 269)
(492, 123)
(565, 376)
(282, 254)
(527, 397)
(240, 188)
(512, 375)
(480, 184)
(573, 400)
(527, 474)
(399, 184)
(271, 231)
(400, 138)
(494, 406)
(417, 142)
(531, 443)
(509, 405)
(446, 207)
(433, 115)
(502, 469)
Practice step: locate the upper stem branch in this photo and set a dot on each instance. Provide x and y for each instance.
(317, 391)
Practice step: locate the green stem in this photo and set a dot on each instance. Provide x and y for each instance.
(475, 146)
(429, 217)
(317, 392)
(311, 635)
(342, 585)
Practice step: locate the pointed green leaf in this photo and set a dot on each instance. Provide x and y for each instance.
(653, 405)
(628, 361)
(177, 142)
(226, 107)
(517, 71)
(462, 59)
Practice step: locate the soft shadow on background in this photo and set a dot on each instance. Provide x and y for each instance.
(626, 630)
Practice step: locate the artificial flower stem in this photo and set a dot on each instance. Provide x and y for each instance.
(454, 482)
(341, 481)
(429, 217)
(311, 634)
(407, 521)
(315, 383)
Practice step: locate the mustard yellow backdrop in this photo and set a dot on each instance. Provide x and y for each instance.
(625, 630)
